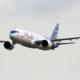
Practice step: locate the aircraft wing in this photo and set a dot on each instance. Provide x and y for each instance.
(63, 39)
(2, 41)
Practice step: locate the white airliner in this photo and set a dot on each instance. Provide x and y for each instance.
(33, 40)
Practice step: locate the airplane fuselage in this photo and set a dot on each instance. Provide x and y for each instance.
(27, 39)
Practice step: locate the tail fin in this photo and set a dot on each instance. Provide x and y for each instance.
(55, 33)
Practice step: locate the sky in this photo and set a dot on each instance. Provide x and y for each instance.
(40, 16)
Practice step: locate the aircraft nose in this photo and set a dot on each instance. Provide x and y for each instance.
(12, 36)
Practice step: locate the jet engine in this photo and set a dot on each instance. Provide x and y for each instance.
(8, 45)
(46, 43)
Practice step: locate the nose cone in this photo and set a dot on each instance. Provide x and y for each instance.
(12, 36)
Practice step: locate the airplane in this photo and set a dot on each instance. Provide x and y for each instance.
(32, 40)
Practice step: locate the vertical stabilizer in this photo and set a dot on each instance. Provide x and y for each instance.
(55, 33)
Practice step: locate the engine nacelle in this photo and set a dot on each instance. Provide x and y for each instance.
(8, 45)
(46, 44)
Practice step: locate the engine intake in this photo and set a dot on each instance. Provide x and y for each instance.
(8, 45)
(44, 43)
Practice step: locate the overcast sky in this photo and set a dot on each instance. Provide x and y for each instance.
(40, 16)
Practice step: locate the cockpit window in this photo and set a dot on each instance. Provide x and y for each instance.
(14, 32)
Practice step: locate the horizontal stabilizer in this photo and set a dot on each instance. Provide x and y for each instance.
(66, 43)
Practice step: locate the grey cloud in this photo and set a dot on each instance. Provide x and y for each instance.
(43, 6)
(34, 7)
